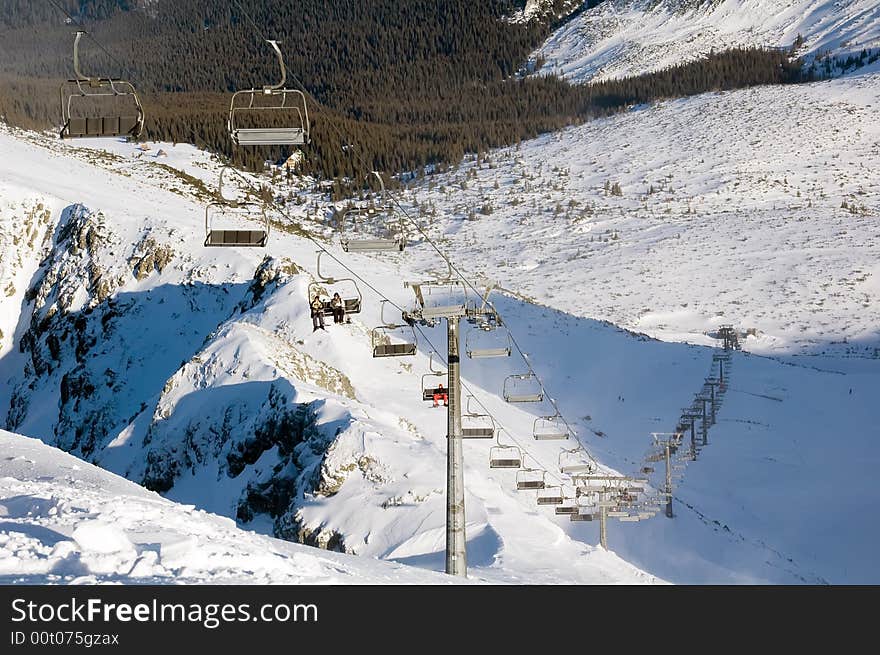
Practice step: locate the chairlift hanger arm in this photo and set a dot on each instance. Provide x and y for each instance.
(274, 87)
(76, 69)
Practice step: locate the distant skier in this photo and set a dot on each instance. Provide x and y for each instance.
(338, 308)
(318, 314)
(439, 393)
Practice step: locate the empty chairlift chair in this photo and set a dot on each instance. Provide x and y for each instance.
(584, 514)
(393, 339)
(476, 425)
(550, 496)
(571, 462)
(99, 106)
(372, 229)
(505, 457)
(550, 428)
(527, 479)
(231, 223)
(271, 116)
(568, 506)
(440, 299)
(356, 237)
(487, 341)
(524, 388)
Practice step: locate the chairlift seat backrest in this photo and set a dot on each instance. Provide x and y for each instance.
(477, 433)
(483, 353)
(553, 497)
(352, 306)
(269, 136)
(587, 516)
(575, 468)
(505, 463)
(372, 245)
(257, 238)
(394, 350)
(567, 509)
(108, 126)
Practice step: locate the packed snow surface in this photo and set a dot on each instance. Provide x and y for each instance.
(64, 521)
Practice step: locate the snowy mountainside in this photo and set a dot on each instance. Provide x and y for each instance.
(620, 38)
(64, 521)
(304, 434)
(755, 207)
(197, 372)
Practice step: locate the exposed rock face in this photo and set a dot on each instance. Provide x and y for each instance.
(222, 382)
(269, 275)
(150, 257)
(84, 338)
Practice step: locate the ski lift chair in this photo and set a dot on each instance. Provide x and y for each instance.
(223, 211)
(355, 239)
(99, 106)
(550, 496)
(550, 428)
(527, 479)
(251, 112)
(476, 425)
(583, 516)
(569, 464)
(486, 342)
(351, 296)
(566, 506)
(523, 388)
(393, 339)
(429, 389)
(504, 457)
(441, 299)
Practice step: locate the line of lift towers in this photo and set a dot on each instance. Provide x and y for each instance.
(278, 116)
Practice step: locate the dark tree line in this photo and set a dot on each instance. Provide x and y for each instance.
(396, 84)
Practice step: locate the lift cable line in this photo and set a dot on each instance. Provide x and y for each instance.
(428, 239)
(283, 211)
(439, 251)
(79, 25)
(452, 268)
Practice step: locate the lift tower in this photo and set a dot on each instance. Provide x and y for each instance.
(438, 300)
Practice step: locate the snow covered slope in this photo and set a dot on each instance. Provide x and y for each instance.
(756, 207)
(63, 521)
(629, 37)
(197, 371)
